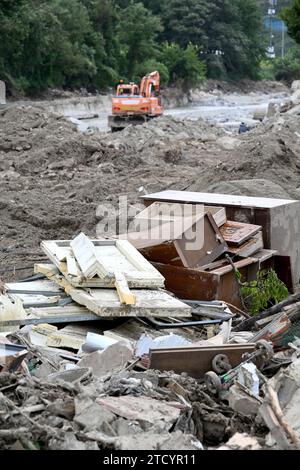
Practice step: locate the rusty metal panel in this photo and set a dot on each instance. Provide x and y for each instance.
(237, 233)
(189, 283)
(196, 361)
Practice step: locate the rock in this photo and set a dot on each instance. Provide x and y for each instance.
(90, 415)
(241, 441)
(241, 402)
(153, 441)
(248, 377)
(2, 92)
(112, 359)
(228, 143)
(77, 375)
(70, 442)
(295, 85)
(149, 412)
(287, 385)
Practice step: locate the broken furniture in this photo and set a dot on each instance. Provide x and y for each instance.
(94, 263)
(42, 304)
(221, 365)
(189, 242)
(162, 212)
(279, 218)
(215, 281)
(196, 360)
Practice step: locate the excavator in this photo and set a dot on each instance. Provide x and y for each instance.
(135, 104)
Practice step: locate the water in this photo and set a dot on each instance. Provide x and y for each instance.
(225, 111)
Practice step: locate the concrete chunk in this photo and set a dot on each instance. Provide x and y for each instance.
(112, 359)
(241, 402)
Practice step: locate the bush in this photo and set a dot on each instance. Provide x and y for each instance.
(288, 69)
(149, 66)
(184, 65)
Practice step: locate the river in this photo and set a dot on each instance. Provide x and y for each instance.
(225, 111)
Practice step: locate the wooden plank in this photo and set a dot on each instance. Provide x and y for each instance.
(249, 248)
(72, 267)
(236, 233)
(147, 281)
(215, 199)
(196, 361)
(238, 265)
(52, 318)
(106, 302)
(160, 212)
(112, 255)
(207, 247)
(86, 256)
(124, 293)
(274, 331)
(180, 245)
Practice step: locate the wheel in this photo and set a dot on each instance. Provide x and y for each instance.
(213, 382)
(221, 364)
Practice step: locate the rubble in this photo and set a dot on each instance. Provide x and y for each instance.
(145, 344)
(241, 402)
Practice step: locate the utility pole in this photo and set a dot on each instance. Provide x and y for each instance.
(271, 14)
(282, 40)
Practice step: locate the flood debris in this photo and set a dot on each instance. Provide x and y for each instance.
(135, 342)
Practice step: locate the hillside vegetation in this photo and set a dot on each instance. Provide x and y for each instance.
(93, 43)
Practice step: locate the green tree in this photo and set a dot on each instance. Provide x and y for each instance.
(185, 22)
(184, 65)
(137, 33)
(235, 30)
(291, 15)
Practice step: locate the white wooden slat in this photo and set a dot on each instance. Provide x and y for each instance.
(106, 302)
(72, 267)
(97, 260)
(86, 256)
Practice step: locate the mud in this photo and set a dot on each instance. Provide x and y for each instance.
(53, 178)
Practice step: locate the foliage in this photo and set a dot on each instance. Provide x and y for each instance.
(286, 69)
(94, 43)
(137, 31)
(291, 16)
(267, 289)
(184, 65)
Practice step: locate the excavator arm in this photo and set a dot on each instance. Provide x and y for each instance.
(149, 83)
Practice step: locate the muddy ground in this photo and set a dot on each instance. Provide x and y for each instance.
(52, 178)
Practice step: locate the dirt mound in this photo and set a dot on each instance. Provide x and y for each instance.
(53, 178)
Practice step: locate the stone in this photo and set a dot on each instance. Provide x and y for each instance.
(76, 375)
(2, 93)
(248, 377)
(145, 410)
(155, 441)
(70, 442)
(241, 402)
(295, 85)
(241, 441)
(287, 385)
(112, 359)
(90, 415)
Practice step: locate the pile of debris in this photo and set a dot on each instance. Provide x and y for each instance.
(85, 362)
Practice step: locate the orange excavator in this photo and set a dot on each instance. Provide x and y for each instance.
(135, 104)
